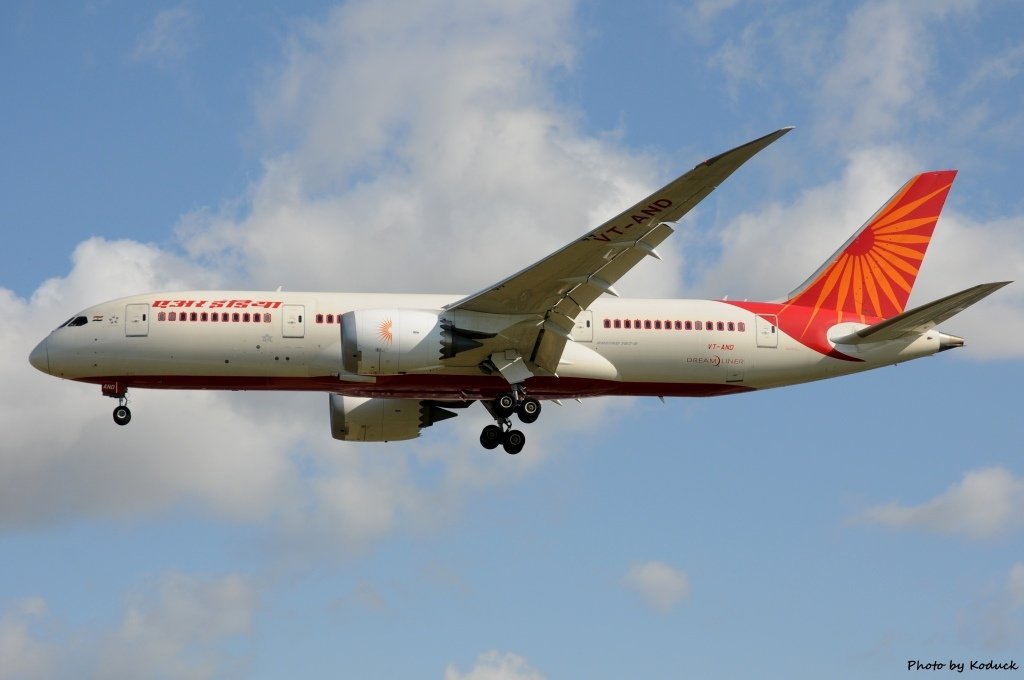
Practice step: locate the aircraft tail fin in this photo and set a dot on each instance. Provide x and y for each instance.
(872, 274)
(921, 319)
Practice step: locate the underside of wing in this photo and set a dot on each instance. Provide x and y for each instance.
(547, 296)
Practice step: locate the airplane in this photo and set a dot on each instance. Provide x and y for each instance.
(395, 364)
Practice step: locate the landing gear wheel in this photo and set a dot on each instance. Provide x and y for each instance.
(504, 405)
(491, 437)
(122, 414)
(514, 441)
(528, 410)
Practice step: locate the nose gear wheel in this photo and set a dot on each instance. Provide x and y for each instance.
(122, 414)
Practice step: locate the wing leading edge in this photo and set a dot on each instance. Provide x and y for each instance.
(551, 293)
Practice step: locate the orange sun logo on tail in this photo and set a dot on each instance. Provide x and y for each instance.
(384, 331)
(871, 276)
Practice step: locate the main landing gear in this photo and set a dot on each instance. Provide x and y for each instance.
(122, 414)
(501, 409)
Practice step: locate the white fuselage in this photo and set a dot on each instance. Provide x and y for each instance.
(292, 341)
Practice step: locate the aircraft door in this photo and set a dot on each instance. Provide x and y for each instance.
(293, 320)
(136, 320)
(767, 331)
(584, 330)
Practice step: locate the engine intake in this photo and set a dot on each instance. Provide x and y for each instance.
(394, 341)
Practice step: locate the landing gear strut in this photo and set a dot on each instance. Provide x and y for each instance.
(501, 409)
(122, 414)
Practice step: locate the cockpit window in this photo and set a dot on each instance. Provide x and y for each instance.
(75, 321)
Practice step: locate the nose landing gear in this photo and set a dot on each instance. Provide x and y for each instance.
(501, 409)
(122, 414)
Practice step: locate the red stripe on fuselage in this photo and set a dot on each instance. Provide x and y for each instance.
(440, 387)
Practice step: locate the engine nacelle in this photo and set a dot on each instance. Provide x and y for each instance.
(393, 341)
(358, 419)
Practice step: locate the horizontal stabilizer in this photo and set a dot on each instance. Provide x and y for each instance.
(921, 319)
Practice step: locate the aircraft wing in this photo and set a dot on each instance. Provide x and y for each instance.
(921, 319)
(556, 289)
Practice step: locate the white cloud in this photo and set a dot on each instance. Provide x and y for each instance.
(993, 619)
(787, 46)
(883, 74)
(984, 504)
(167, 38)
(495, 665)
(59, 455)
(181, 629)
(867, 70)
(661, 586)
(432, 158)
(177, 627)
(23, 655)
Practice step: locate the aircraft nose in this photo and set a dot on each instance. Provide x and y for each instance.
(40, 357)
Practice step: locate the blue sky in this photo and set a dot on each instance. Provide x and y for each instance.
(843, 527)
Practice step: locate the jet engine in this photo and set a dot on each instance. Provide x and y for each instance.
(358, 419)
(393, 341)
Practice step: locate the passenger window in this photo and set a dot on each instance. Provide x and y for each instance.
(173, 316)
(647, 324)
(319, 318)
(720, 326)
(627, 324)
(204, 316)
(731, 326)
(741, 326)
(266, 318)
(679, 325)
(162, 316)
(236, 317)
(330, 318)
(709, 325)
(657, 325)
(618, 323)
(194, 316)
(697, 325)
(247, 317)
